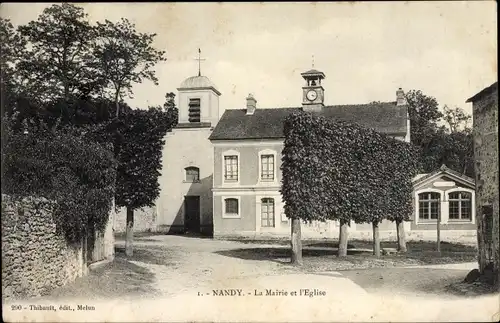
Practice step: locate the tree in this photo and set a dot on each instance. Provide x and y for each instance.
(425, 132)
(11, 50)
(424, 115)
(459, 152)
(140, 160)
(123, 57)
(403, 166)
(450, 145)
(456, 118)
(56, 64)
(335, 170)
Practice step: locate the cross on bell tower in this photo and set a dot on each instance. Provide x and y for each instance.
(199, 59)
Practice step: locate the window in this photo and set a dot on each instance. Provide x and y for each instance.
(192, 174)
(267, 167)
(460, 207)
(194, 110)
(231, 206)
(267, 213)
(231, 168)
(428, 205)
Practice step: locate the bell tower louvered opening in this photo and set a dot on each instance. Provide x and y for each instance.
(194, 110)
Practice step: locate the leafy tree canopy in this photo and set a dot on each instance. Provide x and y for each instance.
(334, 170)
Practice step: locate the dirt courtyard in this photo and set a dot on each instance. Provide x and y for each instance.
(178, 278)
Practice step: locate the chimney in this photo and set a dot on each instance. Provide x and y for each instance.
(400, 97)
(251, 104)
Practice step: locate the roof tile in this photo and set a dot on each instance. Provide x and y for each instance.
(384, 117)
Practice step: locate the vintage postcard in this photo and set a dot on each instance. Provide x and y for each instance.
(250, 162)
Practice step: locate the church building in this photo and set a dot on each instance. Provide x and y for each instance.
(223, 177)
(186, 180)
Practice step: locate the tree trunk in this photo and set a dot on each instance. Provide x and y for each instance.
(400, 228)
(129, 251)
(296, 243)
(117, 104)
(84, 253)
(376, 239)
(438, 229)
(343, 237)
(66, 91)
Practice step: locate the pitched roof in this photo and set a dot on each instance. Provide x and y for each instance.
(443, 170)
(384, 117)
(486, 91)
(198, 82)
(313, 72)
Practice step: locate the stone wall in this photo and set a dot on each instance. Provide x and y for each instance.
(485, 129)
(35, 258)
(145, 220)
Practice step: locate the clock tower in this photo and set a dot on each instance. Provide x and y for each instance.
(313, 93)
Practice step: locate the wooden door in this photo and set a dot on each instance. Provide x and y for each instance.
(192, 214)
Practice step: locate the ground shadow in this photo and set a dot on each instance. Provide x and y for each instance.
(119, 278)
(277, 254)
(432, 281)
(154, 255)
(193, 235)
(333, 244)
(286, 242)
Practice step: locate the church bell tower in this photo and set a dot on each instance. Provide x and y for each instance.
(313, 93)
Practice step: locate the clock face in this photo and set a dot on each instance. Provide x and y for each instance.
(312, 95)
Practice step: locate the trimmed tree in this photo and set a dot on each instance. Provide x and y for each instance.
(318, 176)
(403, 165)
(140, 160)
(335, 170)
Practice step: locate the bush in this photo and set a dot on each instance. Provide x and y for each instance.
(64, 167)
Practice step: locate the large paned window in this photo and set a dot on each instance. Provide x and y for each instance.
(267, 214)
(231, 168)
(429, 205)
(460, 206)
(267, 167)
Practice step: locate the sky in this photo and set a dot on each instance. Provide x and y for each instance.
(447, 50)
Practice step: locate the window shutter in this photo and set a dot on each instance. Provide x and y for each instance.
(194, 110)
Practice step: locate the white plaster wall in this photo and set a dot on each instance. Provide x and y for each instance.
(209, 105)
(184, 148)
(330, 230)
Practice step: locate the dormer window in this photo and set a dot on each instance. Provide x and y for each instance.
(194, 110)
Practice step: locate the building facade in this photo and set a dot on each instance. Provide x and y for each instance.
(449, 196)
(485, 130)
(186, 178)
(247, 161)
(223, 177)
